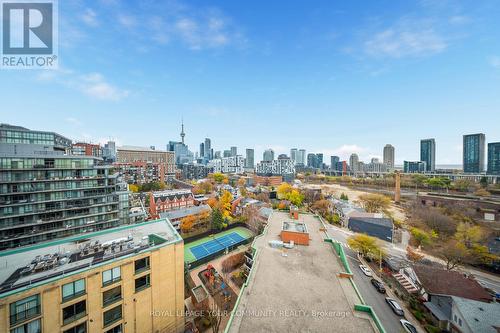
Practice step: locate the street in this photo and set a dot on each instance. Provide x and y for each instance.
(372, 297)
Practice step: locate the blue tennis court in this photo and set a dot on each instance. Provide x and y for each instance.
(216, 245)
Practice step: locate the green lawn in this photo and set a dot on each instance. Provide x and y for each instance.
(189, 257)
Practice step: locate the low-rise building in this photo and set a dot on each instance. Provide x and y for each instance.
(109, 281)
(372, 224)
(163, 201)
(462, 315)
(176, 216)
(414, 167)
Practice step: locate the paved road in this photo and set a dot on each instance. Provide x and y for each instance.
(372, 297)
(488, 280)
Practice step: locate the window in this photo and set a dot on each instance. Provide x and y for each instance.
(74, 312)
(455, 318)
(31, 327)
(116, 329)
(111, 296)
(112, 315)
(459, 322)
(81, 328)
(141, 265)
(111, 276)
(24, 309)
(73, 289)
(141, 283)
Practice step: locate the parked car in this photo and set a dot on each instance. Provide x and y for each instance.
(378, 285)
(396, 308)
(365, 270)
(408, 327)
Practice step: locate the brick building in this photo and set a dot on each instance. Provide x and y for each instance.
(163, 201)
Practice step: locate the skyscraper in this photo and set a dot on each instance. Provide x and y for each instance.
(202, 150)
(301, 157)
(333, 162)
(473, 153)
(268, 155)
(312, 160)
(319, 160)
(227, 153)
(249, 162)
(354, 162)
(208, 149)
(234, 151)
(494, 158)
(428, 154)
(389, 156)
(293, 154)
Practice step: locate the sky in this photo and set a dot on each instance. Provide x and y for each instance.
(335, 77)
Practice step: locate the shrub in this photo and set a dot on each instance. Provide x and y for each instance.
(432, 329)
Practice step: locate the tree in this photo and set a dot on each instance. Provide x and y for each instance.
(454, 254)
(225, 204)
(323, 207)
(368, 246)
(217, 219)
(187, 223)
(241, 182)
(133, 188)
(283, 190)
(264, 197)
(468, 235)
(462, 185)
(212, 202)
(438, 182)
(421, 237)
(418, 180)
(374, 203)
(483, 182)
(344, 197)
(295, 197)
(218, 177)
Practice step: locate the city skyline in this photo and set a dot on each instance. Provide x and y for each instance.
(304, 73)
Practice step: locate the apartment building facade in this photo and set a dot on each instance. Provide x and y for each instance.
(112, 281)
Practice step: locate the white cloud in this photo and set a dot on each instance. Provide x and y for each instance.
(95, 85)
(459, 19)
(128, 21)
(495, 62)
(89, 17)
(405, 40)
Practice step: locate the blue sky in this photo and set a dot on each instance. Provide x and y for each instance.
(328, 76)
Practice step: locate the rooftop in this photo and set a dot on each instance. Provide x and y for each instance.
(373, 218)
(298, 290)
(183, 212)
(436, 280)
(294, 227)
(169, 193)
(479, 316)
(38, 264)
(141, 149)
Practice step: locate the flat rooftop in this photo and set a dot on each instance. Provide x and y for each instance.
(294, 227)
(299, 292)
(41, 263)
